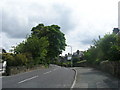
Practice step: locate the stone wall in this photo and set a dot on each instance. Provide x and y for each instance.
(21, 69)
(112, 67)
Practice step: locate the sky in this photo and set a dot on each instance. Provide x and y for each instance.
(80, 20)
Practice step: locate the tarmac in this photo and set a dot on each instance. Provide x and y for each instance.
(87, 77)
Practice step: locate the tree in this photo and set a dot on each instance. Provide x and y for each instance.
(55, 37)
(106, 44)
(106, 48)
(20, 48)
(43, 45)
(38, 48)
(35, 46)
(118, 42)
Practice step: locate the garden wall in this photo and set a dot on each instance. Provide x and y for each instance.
(21, 69)
(112, 67)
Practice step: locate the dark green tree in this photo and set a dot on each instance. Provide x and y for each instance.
(38, 48)
(55, 37)
(106, 44)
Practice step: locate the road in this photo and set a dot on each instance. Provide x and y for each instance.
(53, 77)
(91, 78)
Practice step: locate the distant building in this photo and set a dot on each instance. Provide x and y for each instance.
(116, 30)
(69, 56)
(78, 54)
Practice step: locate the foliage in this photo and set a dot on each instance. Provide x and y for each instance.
(36, 47)
(55, 37)
(106, 48)
(19, 48)
(15, 60)
(82, 61)
(43, 45)
(9, 58)
(75, 59)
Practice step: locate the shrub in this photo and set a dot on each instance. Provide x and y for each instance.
(75, 60)
(9, 57)
(21, 59)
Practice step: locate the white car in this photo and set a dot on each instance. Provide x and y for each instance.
(3, 67)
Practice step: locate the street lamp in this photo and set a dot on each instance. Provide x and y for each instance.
(71, 53)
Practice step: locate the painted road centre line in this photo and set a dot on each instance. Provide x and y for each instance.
(27, 79)
(48, 72)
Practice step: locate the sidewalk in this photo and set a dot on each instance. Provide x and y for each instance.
(92, 78)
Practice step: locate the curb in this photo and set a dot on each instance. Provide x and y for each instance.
(73, 84)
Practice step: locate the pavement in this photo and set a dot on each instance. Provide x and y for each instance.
(53, 77)
(91, 78)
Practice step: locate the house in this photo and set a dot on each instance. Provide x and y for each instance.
(116, 30)
(78, 54)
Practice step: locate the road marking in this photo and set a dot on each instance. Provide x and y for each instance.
(74, 79)
(27, 79)
(48, 72)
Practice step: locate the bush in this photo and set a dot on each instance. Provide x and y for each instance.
(9, 57)
(75, 60)
(106, 48)
(21, 59)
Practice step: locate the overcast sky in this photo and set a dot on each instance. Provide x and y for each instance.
(80, 20)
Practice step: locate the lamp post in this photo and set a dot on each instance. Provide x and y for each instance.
(71, 53)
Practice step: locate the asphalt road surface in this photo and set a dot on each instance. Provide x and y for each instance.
(91, 78)
(53, 77)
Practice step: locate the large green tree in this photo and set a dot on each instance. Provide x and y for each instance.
(55, 37)
(43, 45)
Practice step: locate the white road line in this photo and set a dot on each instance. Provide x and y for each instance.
(74, 79)
(27, 79)
(48, 72)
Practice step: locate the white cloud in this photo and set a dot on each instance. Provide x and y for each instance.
(80, 20)
(8, 42)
